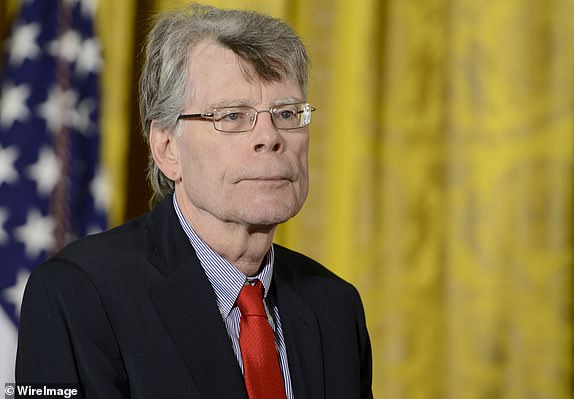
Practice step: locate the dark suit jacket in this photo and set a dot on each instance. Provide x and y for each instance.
(130, 313)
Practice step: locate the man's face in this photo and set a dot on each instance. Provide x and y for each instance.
(256, 178)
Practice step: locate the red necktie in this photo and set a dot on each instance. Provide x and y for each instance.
(263, 377)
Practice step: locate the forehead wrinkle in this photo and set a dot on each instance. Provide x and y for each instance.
(199, 70)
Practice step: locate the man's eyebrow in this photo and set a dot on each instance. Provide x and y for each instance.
(233, 102)
(286, 100)
(236, 102)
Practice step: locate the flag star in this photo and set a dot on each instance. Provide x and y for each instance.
(67, 47)
(58, 109)
(100, 190)
(89, 8)
(81, 115)
(15, 293)
(37, 234)
(3, 232)
(8, 157)
(23, 44)
(45, 171)
(89, 58)
(13, 104)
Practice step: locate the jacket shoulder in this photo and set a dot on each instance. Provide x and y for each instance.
(126, 238)
(304, 271)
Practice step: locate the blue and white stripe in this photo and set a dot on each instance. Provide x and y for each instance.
(227, 282)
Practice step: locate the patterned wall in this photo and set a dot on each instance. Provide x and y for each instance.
(442, 186)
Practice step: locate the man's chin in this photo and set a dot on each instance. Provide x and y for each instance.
(261, 224)
(260, 220)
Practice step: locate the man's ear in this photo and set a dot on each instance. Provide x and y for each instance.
(164, 150)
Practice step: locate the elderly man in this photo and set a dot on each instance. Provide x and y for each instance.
(193, 300)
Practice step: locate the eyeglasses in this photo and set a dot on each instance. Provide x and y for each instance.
(243, 119)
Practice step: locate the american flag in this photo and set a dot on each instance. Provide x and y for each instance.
(52, 188)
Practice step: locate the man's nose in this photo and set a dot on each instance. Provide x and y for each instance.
(266, 136)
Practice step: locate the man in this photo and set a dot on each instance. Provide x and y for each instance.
(157, 308)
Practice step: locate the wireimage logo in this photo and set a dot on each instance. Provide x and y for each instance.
(56, 391)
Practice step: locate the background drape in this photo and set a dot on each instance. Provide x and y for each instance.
(441, 179)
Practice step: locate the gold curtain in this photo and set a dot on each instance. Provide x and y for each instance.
(441, 185)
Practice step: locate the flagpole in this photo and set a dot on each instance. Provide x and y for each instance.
(59, 207)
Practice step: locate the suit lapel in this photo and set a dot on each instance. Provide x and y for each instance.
(186, 304)
(302, 337)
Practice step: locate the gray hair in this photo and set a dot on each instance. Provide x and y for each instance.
(268, 47)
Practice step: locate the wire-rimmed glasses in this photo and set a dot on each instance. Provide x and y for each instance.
(242, 118)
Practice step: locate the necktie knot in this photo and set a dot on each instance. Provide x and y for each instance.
(250, 300)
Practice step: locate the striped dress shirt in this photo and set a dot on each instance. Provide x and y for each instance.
(227, 282)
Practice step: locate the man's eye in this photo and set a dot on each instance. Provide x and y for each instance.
(286, 114)
(232, 116)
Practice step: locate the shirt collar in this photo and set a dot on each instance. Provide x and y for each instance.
(225, 278)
